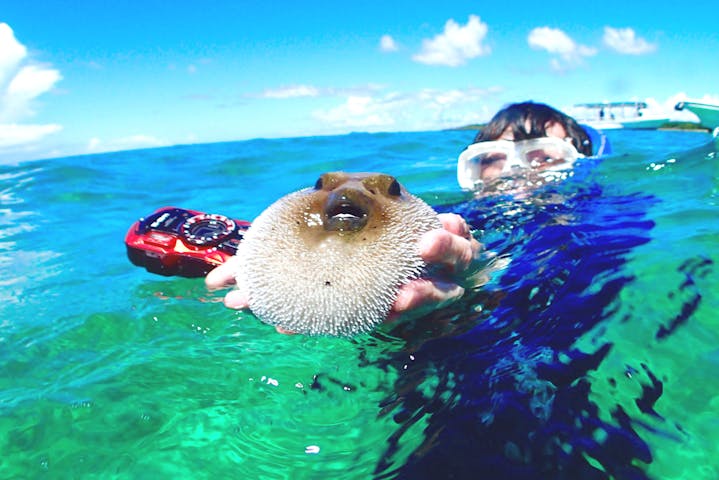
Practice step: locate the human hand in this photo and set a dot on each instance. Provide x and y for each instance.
(450, 249)
(223, 276)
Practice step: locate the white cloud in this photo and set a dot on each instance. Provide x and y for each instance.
(13, 135)
(568, 53)
(11, 53)
(21, 82)
(96, 145)
(292, 92)
(439, 99)
(387, 44)
(297, 91)
(552, 40)
(706, 98)
(624, 40)
(455, 45)
(360, 112)
(28, 83)
(425, 109)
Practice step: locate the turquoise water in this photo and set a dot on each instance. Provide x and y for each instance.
(591, 355)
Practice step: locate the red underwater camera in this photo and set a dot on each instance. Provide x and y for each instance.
(175, 241)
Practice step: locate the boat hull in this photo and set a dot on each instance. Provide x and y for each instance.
(708, 114)
(645, 123)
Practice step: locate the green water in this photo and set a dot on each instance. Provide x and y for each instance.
(158, 392)
(671, 273)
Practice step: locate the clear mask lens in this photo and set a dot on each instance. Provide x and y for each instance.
(543, 155)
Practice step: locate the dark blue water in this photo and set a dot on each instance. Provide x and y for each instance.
(589, 355)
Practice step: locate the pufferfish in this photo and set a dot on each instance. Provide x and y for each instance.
(330, 260)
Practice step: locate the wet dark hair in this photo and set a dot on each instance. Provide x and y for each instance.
(537, 116)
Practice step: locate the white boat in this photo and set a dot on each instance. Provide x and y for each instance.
(608, 115)
(708, 114)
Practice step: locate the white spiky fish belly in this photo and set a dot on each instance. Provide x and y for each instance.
(334, 287)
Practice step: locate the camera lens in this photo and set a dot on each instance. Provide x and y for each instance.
(207, 230)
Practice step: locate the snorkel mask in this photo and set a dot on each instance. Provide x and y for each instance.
(484, 162)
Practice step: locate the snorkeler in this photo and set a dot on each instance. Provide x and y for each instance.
(525, 139)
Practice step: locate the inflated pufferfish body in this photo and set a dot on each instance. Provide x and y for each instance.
(330, 259)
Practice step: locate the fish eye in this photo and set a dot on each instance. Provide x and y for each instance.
(394, 188)
(382, 183)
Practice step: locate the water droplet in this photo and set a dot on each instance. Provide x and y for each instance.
(312, 449)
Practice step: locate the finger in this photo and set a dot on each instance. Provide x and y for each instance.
(222, 276)
(445, 248)
(426, 292)
(456, 224)
(237, 300)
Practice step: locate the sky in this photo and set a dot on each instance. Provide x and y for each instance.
(81, 77)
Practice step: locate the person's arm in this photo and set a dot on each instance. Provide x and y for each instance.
(451, 248)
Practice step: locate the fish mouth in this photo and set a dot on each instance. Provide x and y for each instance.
(346, 211)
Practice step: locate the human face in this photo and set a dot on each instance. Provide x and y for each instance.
(484, 162)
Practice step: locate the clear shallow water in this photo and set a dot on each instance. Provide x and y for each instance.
(592, 354)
